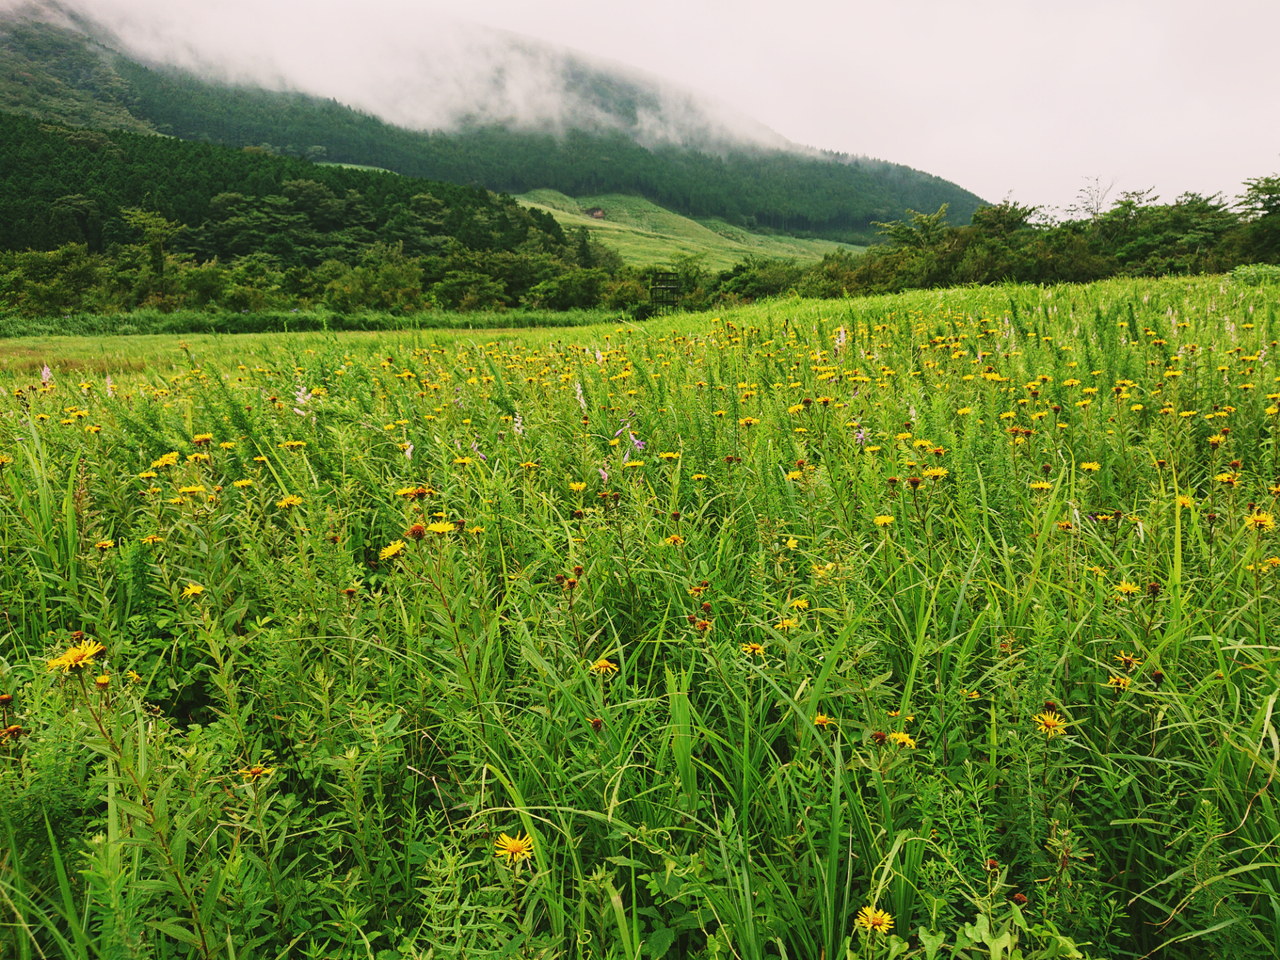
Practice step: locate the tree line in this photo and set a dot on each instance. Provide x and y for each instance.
(92, 222)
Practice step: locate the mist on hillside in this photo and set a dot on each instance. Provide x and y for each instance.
(405, 64)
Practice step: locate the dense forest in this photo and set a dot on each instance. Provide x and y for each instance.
(52, 74)
(92, 222)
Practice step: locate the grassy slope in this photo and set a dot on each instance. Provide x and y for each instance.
(645, 233)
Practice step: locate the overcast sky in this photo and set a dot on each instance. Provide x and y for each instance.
(1003, 97)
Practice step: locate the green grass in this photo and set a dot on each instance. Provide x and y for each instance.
(746, 631)
(646, 234)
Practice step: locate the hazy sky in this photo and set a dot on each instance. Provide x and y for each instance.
(1000, 96)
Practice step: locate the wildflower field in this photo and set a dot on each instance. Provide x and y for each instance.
(938, 625)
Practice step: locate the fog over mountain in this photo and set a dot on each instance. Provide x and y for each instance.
(407, 66)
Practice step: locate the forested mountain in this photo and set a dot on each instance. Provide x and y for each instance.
(54, 72)
(65, 185)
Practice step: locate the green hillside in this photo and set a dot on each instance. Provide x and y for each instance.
(646, 234)
(54, 74)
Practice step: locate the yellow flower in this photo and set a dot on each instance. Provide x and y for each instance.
(77, 657)
(1260, 521)
(152, 539)
(1126, 588)
(603, 667)
(753, 649)
(515, 850)
(1129, 660)
(675, 540)
(192, 589)
(254, 773)
(392, 549)
(441, 527)
(292, 500)
(577, 486)
(1091, 467)
(800, 603)
(822, 721)
(1119, 682)
(1185, 502)
(874, 920)
(883, 520)
(241, 484)
(105, 545)
(1050, 724)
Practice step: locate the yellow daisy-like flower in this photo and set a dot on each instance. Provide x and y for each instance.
(800, 603)
(1185, 502)
(288, 502)
(1260, 521)
(1119, 682)
(603, 667)
(515, 850)
(786, 624)
(1126, 589)
(152, 539)
(77, 657)
(1092, 467)
(874, 920)
(675, 540)
(883, 520)
(753, 649)
(1129, 660)
(822, 721)
(577, 486)
(441, 527)
(1050, 724)
(903, 739)
(256, 772)
(392, 549)
(192, 590)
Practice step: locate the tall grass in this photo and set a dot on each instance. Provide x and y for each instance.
(940, 625)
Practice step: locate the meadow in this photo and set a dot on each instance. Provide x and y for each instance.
(644, 234)
(934, 625)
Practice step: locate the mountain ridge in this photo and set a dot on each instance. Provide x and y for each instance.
(50, 66)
